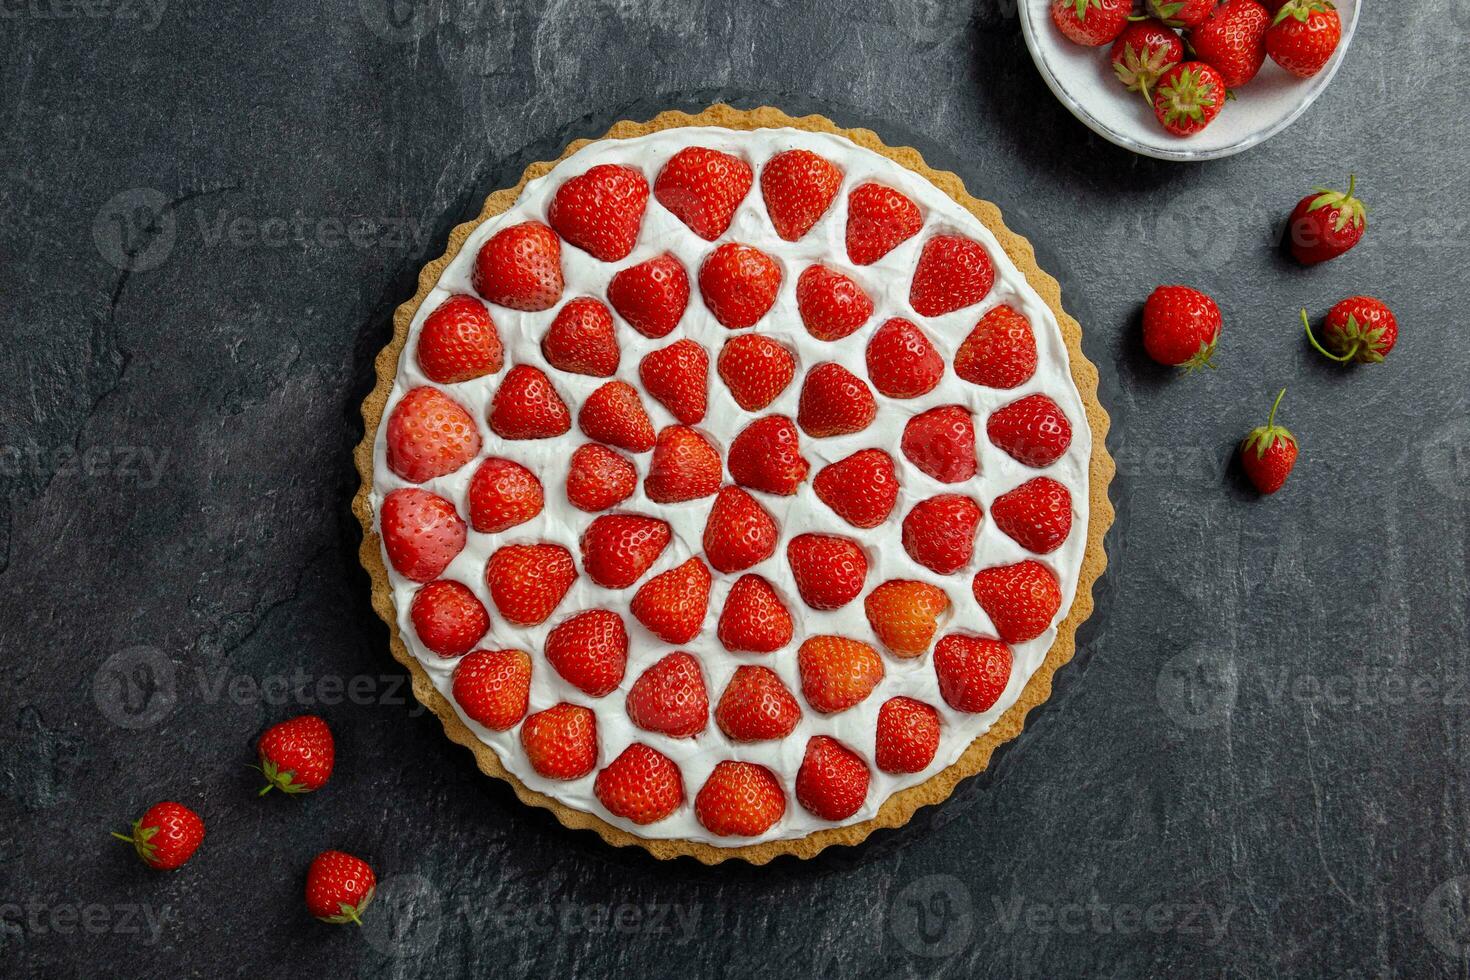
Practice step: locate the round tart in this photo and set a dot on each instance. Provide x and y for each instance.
(734, 485)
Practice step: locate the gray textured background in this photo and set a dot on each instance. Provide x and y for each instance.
(1256, 766)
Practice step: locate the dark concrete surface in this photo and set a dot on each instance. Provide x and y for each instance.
(1256, 766)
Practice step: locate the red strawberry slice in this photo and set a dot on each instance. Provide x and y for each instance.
(832, 782)
(618, 548)
(941, 442)
(798, 187)
(422, 533)
(672, 605)
(907, 736)
(493, 687)
(669, 697)
(448, 618)
(1032, 430)
(677, 376)
(503, 494)
(740, 799)
(972, 671)
(834, 402)
(739, 284)
(755, 369)
(1000, 352)
(766, 455)
(861, 489)
(520, 268)
(879, 219)
(590, 650)
(528, 581)
(756, 706)
(939, 533)
(526, 406)
(429, 435)
(651, 296)
(837, 672)
(1037, 514)
(829, 569)
(601, 211)
(831, 305)
(642, 785)
(703, 187)
(561, 742)
(902, 360)
(954, 272)
(754, 620)
(599, 478)
(581, 339)
(614, 414)
(684, 467)
(739, 532)
(1020, 599)
(459, 342)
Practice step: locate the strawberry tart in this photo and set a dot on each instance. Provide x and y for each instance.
(733, 485)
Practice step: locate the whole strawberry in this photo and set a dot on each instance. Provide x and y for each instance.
(1233, 40)
(166, 835)
(1142, 53)
(1269, 453)
(339, 887)
(1360, 328)
(296, 756)
(1304, 35)
(1091, 22)
(1189, 97)
(1181, 327)
(1326, 224)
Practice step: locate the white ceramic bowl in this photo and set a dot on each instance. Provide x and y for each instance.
(1083, 79)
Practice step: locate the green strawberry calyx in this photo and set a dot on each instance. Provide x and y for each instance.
(349, 912)
(1362, 345)
(1350, 210)
(278, 778)
(1263, 438)
(1166, 11)
(1082, 6)
(142, 841)
(1300, 10)
(1204, 357)
(1138, 69)
(1186, 96)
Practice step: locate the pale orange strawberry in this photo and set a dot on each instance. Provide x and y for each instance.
(939, 533)
(831, 305)
(614, 414)
(561, 742)
(834, 402)
(832, 782)
(599, 478)
(685, 466)
(907, 736)
(756, 706)
(879, 219)
(861, 489)
(766, 455)
(526, 406)
(459, 342)
(581, 339)
(493, 687)
(954, 272)
(429, 435)
(798, 187)
(618, 548)
(972, 671)
(754, 620)
(641, 785)
(590, 650)
(502, 494)
(670, 697)
(902, 361)
(1020, 599)
(756, 369)
(448, 618)
(905, 615)
(740, 799)
(528, 581)
(739, 532)
(651, 296)
(677, 376)
(829, 569)
(703, 187)
(1037, 515)
(1000, 352)
(837, 672)
(600, 211)
(739, 284)
(422, 533)
(520, 268)
(941, 442)
(672, 604)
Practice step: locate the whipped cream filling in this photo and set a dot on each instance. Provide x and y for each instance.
(887, 283)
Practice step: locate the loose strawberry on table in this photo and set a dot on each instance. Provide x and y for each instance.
(902, 360)
(1189, 97)
(493, 687)
(581, 339)
(1358, 329)
(831, 305)
(740, 799)
(685, 466)
(798, 187)
(1032, 430)
(166, 835)
(422, 533)
(1304, 35)
(673, 604)
(528, 581)
(834, 402)
(459, 342)
(670, 697)
(447, 617)
(601, 211)
(599, 478)
(739, 284)
(939, 533)
(677, 376)
(1181, 327)
(755, 369)
(561, 742)
(1233, 40)
(589, 650)
(754, 620)
(339, 888)
(430, 434)
(832, 782)
(1269, 453)
(766, 456)
(1326, 224)
(837, 672)
(1143, 53)
(739, 532)
(703, 188)
(527, 406)
(756, 706)
(618, 548)
(641, 785)
(503, 494)
(296, 756)
(1091, 22)
(879, 219)
(520, 268)
(652, 296)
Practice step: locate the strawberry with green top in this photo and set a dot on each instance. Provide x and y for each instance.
(1304, 35)
(1181, 327)
(1189, 97)
(1326, 224)
(1143, 53)
(166, 835)
(296, 756)
(1359, 329)
(1091, 23)
(339, 888)
(1269, 453)
(1182, 13)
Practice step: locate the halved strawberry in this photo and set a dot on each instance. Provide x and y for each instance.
(953, 272)
(652, 295)
(1037, 515)
(879, 219)
(703, 187)
(429, 435)
(837, 672)
(422, 533)
(670, 697)
(941, 442)
(739, 284)
(581, 339)
(834, 402)
(685, 466)
(902, 360)
(599, 478)
(493, 687)
(939, 533)
(459, 342)
(756, 369)
(756, 706)
(832, 782)
(641, 785)
(618, 548)
(526, 406)
(829, 569)
(860, 489)
(528, 581)
(1000, 352)
(677, 376)
(520, 268)
(1032, 430)
(1020, 599)
(905, 615)
(561, 742)
(614, 414)
(740, 799)
(972, 671)
(739, 532)
(907, 736)
(672, 605)
(600, 211)
(502, 494)
(798, 187)
(448, 618)
(754, 620)
(831, 305)
(590, 650)
(766, 455)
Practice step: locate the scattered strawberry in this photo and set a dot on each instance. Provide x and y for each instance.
(837, 672)
(429, 435)
(614, 414)
(166, 835)
(1181, 327)
(1360, 328)
(1326, 224)
(669, 697)
(766, 455)
(561, 742)
(939, 533)
(739, 532)
(879, 219)
(503, 494)
(526, 406)
(422, 533)
(703, 187)
(861, 489)
(834, 402)
(684, 467)
(902, 361)
(1091, 23)
(448, 618)
(493, 687)
(972, 671)
(1000, 352)
(740, 799)
(907, 737)
(1182, 13)
(756, 706)
(1269, 453)
(520, 268)
(1143, 53)
(832, 782)
(528, 581)
(756, 369)
(618, 548)
(339, 888)
(1031, 430)
(590, 650)
(651, 296)
(1037, 515)
(1232, 40)
(641, 785)
(739, 284)
(672, 605)
(599, 478)
(1020, 599)
(601, 211)
(1304, 35)
(677, 376)
(831, 305)
(941, 443)
(829, 570)
(753, 619)
(953, 272)
(581, 339)
(459, 342)
(905, 615)
(1189, 97)
(798, 187)
(296, 756)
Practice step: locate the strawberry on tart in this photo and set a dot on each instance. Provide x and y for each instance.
(733, 486)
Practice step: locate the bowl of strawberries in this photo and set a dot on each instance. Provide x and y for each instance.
(1188, 79)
